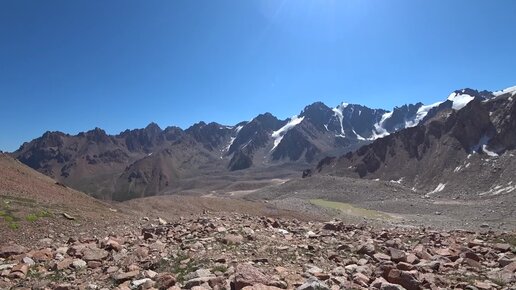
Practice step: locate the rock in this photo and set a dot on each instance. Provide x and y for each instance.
(6, 267)
(65, 286)
(79, 264)
(42, 255)
(94, 264)
(162, 221)
(150, 274)
(142, 253)
(332, 226)
(64, 264)
(11, 250)
(313, 285)
(511, 268)
(94, 254)
(312, 270)
(68, 217)
(19, 271)
(231, 239)
(248, 275)
(389, 286)
(361, 279)
(28, 261)
(381, 257)
(120, 277)
(472, 263)
(165, 281)
(504, 261)
(483, 285)
(404, 278)
(412, 259)
(200, 273)
(366, 249)
(405, 266)
(397, 255)
(140, 282)
(113, 245)
(472, 256)
(259, 286)
(198, 282)
(502, 247)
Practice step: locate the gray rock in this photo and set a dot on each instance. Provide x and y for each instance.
(313, 285)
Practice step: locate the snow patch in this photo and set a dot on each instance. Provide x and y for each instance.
(482, 146)
(358, 136)
(511, 90)
(340, 115)
(397, 181)
(278, 135)
(497, 190)
(439, 188)
(232, 140)
(421, 114)
(237, 129)
(379, 131)
(460, 100)
(488, 152)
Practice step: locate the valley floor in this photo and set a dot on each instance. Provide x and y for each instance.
(279, 236)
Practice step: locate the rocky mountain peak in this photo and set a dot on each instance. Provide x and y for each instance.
(153, 127)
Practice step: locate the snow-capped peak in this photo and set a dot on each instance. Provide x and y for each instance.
(278, 135)
(460, 100)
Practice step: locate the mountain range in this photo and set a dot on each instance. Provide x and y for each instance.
(400, 144)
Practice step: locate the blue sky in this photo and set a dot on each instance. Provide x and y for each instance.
(75, 65)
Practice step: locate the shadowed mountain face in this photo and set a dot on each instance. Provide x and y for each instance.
(460, 150)
(151, 161)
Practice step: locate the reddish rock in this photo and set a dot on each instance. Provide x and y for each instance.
(248, 275)
(94, 264)
(502, 247)
(397, 255)
(405, 266)
(42, 255)
(165, 281)
(19, 271)
(120, 277)
(404, 278)
(64, 264)
(472, 256)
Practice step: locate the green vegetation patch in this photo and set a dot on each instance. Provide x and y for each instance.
(12, 211)
(349, 209)
(180, 265)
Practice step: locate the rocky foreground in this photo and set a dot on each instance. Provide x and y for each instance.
(237, 251)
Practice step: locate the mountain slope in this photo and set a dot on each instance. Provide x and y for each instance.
(151, 161)
(32, 205)
(466, 149)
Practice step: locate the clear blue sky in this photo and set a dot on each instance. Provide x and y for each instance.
(75, 65)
